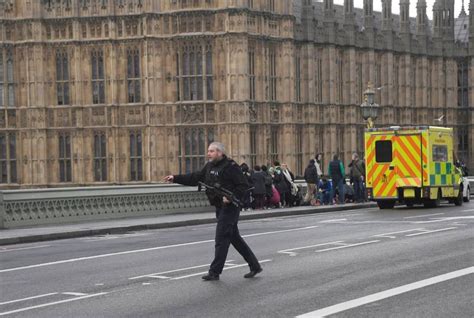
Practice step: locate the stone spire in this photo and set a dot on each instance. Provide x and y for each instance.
(421, 19)
(448, 19)
(387, 15)
(462, 14)
(471, 18)
(329, 9)
(437, 19)
(369, 14)
(349, 11)
(404, 16)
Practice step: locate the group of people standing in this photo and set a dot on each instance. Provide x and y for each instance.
(332, 188)
(270, 186)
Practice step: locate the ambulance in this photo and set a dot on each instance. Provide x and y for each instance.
(412, 165)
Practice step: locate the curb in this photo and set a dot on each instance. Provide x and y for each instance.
(143, 227)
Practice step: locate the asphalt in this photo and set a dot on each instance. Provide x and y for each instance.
(310, 262)
(116, 226)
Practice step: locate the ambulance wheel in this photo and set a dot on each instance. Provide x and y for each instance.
(459, 199)
(386, 204)
(410, 204)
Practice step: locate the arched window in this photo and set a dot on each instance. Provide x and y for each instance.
(193, 143)
(194, 73)
(100, 156)
(8, 169)
(64, 159)
(98, 78)
(136, 158)
(133, 76)
(62, 77)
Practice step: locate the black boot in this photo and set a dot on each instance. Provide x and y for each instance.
(253, 272)
(211, 276)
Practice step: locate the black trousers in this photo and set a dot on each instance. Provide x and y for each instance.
(227, 233)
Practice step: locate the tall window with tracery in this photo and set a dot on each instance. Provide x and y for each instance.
(133, 76)
(62, 77)
(463, 83)
(359, 82)
(136, 158)
(98, 78)
(193, 143)
(274, 138)
(299, 150)
(253, 145)
(319, 80)
(339, 78)
(65, 170)
(100, 156)
(8, 166)
(272, 73)
(251, 71)
(7, 85)
(298, 75)
(194, 73)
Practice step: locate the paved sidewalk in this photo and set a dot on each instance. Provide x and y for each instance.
(63, 231)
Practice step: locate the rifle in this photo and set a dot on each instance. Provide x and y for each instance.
(219, 190)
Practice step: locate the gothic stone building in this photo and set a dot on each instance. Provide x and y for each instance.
(125, 91)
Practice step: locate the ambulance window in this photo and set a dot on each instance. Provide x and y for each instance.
(440, 153)
(383, 151)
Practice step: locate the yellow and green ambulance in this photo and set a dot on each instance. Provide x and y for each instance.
(411, 165)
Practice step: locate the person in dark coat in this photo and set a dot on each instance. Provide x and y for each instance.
(259, 191)
(338, 176)
(281, 184)
(226, 172)
(268, 184)
(247, 201)
(311, 178)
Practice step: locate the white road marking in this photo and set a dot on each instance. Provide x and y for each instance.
(74, 294)
(422, 216)
(225, 268)
(28, 298)
(436, 220)
(386, 294)
(99, 284)
(282, 231)
(158, 276)
(144, 284)
(4, 250)
(333, 220)
(346, 246)
(50, 304)
(433, 231)
(291, 253)
(140, 250)
(390, 235)
(470, 210)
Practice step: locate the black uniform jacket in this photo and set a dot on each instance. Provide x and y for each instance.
(226, 172)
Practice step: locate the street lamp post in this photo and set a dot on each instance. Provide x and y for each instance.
(369, 108)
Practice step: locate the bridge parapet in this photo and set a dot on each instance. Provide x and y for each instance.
(65, 205)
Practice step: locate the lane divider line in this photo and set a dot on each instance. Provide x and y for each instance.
(4, 250)
(50, 304)
(346, 246)
(421, 216)
(27, 298)
(291, 253)
(386, 294)
(433, 231)
(390, 235)
(74, 294)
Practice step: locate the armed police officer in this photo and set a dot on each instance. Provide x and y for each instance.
(221, 172)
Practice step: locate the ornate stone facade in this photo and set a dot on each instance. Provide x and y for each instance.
(126, 91)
